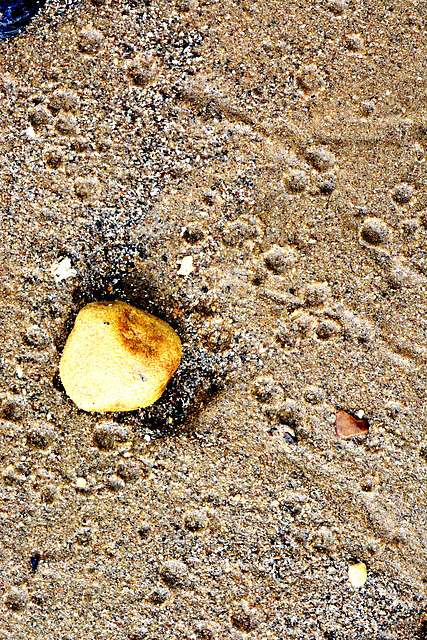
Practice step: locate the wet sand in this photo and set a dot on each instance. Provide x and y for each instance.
(281, 146)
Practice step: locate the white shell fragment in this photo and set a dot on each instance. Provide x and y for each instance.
(62, 270)
(187, 266)
(357, 574)
(29, 133)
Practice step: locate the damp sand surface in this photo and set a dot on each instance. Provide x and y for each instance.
(254, 174)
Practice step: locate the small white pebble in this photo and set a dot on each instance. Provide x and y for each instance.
(62, 270)
(81, 483)
(187, 266)
(30, 134)
(357, 574)
(360, 414)
(19, 371)
(147, 438)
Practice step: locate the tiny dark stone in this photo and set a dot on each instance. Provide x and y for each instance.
(288, 438)
(144, 530)
(327, 186)
(289, 414)
(34, 561)
(193, 235)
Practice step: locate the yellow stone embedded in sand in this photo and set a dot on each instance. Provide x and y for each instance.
(357, 574)
(118, 358)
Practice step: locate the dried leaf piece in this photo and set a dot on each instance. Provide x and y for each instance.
(346, 426)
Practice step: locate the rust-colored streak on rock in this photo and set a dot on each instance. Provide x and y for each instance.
(346, 426)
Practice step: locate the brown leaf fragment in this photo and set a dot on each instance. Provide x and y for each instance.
(346, 426)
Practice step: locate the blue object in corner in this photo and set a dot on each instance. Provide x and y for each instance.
(16, 14)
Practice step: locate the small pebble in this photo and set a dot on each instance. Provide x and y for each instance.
(186, 267)
(288, 438)
(34, 561)
(346, 426)
(357, 574)
(62, 270)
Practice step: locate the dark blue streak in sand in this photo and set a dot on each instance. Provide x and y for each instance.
(16, 14)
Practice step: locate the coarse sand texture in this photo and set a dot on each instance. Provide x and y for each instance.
(118, 358)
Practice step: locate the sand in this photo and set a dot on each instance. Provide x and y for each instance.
(281, 146)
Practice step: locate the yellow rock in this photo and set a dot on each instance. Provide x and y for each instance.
(357, 574)
(118, 358)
